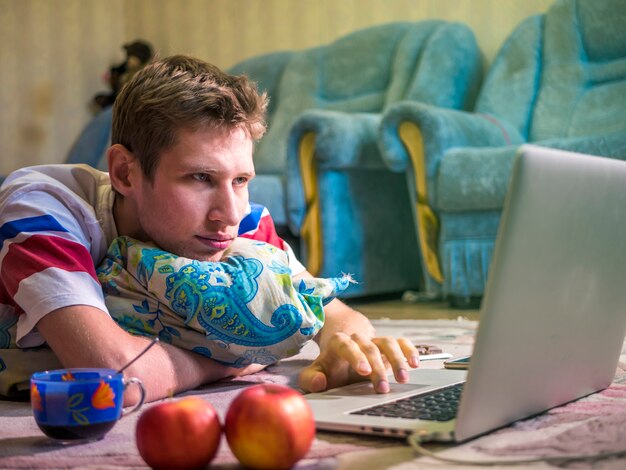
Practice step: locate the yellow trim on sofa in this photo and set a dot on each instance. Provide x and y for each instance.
(427, 223)
(311, 231)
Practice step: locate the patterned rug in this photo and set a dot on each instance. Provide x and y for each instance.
(593, 424)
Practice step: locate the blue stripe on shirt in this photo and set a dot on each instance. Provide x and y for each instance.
(251, 220)
(40, 223)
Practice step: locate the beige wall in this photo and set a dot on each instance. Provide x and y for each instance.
(53, 53)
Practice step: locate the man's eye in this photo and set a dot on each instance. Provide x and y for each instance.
(240, 181)
(201, 177)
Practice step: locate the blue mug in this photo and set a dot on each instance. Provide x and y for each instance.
(80, 404)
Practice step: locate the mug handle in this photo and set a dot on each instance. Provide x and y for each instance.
(142, 398)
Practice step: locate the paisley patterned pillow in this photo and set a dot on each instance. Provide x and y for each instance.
(244, 309)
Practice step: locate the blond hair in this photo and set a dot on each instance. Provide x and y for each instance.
(180, 92)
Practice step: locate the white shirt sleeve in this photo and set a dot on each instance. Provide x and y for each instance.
(294, 263)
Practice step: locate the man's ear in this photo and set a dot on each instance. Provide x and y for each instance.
(123, 169)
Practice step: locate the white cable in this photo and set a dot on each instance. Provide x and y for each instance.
(415, 442)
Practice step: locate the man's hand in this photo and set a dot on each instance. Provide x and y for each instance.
(248, 370)
(350, 351)
(349, 358)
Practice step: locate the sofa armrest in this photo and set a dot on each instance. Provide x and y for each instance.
(342, 140)
(93, 142)
(607, 145)
(475, 179)
(418, 135)
(441, 129)
(326, 140)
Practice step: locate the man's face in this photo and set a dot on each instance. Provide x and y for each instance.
(199, 193)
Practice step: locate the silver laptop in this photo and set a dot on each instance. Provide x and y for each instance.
(553, 317)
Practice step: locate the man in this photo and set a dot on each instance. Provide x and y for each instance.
(179, 166)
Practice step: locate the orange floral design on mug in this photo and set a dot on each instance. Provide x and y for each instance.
(67, 376)
(103, 397)
(35, 398)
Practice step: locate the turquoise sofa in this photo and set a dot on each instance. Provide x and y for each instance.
(559, 81)
(350, 212)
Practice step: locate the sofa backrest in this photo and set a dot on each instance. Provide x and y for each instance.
(583, 88)
(368, 70)
(266, 70)
(562, 74)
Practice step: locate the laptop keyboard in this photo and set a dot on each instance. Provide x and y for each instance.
(438, 405)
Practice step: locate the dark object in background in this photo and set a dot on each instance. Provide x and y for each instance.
(138, 54)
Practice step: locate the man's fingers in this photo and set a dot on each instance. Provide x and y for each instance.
(409, 351)
(393, 353)
(313, 379)
(365, 357)
(251, 369)
(376, 361)
(398, 353)
(344, 347)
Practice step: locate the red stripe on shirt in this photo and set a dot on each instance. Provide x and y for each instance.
(39, 252)
(266, 232)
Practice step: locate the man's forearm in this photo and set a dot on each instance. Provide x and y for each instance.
(83, 336)
(339, 318)
(166, 370)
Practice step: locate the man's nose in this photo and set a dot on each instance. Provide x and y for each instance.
(225, 207)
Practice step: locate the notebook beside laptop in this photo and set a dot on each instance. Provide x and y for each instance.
(552, 320)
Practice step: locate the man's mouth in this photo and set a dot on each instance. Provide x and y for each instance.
(215, 242)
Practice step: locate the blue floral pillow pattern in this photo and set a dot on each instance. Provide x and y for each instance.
(244, 309)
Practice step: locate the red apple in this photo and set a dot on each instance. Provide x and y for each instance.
(269, 426)
(179, 435)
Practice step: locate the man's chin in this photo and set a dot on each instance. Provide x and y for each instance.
(195, 250)
(212, 258)
(196, 254)
(204, 256)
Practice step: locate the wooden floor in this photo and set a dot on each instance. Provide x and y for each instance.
(397, 309)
